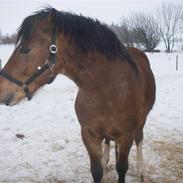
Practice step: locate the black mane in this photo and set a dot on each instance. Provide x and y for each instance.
(87, 34)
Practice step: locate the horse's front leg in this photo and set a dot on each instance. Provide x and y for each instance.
(93, 145)
(123, 149)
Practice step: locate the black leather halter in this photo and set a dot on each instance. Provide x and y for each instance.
(41, 69)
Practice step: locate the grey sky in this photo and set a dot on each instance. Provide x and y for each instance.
(12, 12)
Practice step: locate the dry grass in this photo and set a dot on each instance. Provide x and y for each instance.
(171, 161)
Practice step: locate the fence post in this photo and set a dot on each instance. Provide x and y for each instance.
(177, 62)
(0, 64)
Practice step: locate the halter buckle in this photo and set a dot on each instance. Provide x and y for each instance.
(24, 86)
(27, 92)
(51, 65)
(53, 48)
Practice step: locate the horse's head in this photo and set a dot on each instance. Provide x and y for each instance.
(32, 62)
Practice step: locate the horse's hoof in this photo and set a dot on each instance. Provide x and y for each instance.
(144, 179)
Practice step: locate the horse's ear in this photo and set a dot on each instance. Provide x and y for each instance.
(50, 20)
(52, 16)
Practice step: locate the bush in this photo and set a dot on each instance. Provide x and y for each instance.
(8, 39)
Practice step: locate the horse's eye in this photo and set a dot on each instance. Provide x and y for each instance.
(24, 50)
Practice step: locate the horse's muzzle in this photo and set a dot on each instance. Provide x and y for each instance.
(8, 99)
(51, 79)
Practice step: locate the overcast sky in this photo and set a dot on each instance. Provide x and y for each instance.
(12, 12)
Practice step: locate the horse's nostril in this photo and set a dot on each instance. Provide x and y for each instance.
(8, 99)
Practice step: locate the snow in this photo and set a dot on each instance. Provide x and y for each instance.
(52, 150)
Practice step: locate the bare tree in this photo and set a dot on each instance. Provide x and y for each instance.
(138, 30)
(124, 33)
(144, 31)
(170, 23)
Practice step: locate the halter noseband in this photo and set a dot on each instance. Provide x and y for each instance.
(41, 69)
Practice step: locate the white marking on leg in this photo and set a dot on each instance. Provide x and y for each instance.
(106, 152)
(140, 162)
(117, 151)
(106, 155)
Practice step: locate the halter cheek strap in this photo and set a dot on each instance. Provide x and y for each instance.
(48, 65)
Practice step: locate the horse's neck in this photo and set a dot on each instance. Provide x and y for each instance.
(86, 70)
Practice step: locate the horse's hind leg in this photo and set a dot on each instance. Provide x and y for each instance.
(106, 154)
(123, 147)
(140, 160)
(94, 148)
(116, 151)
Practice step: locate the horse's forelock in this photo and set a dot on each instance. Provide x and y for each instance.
(30, 23)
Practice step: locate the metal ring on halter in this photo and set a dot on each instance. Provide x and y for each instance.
(53, 48)
(24, 86)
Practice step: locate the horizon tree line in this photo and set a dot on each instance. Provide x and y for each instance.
(7, 38)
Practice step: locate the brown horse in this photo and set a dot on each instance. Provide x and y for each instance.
(116, 85)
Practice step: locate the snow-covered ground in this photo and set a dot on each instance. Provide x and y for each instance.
(52, 150)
